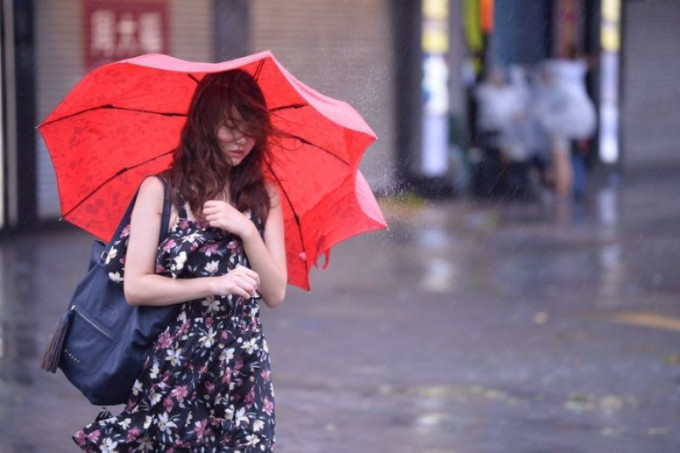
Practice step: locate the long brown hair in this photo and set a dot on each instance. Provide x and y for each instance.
(200, 171)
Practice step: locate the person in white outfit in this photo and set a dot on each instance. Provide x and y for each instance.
(565, 112)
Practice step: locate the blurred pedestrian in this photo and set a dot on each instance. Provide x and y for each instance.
(514, 140)
(519, 141)
(206, 385)
(565, 113)
(504, 134)
(495, 107)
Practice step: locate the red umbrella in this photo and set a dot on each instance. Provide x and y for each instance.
(121, 122)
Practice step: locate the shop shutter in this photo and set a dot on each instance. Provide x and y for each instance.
(651, 91)
(58, 67)
(342, 49)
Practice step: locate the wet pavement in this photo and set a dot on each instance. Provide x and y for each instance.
(468, 327)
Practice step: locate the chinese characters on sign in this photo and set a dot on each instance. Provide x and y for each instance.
(119, 29)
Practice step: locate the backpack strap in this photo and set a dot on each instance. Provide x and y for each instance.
(125, 220)
(167, 208)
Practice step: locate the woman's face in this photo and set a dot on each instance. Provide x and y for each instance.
(233, 138)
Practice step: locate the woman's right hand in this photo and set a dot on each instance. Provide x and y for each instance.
(241, 281)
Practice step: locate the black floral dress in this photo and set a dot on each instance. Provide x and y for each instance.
(206, 385)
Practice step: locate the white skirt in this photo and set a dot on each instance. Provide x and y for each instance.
(567, 112)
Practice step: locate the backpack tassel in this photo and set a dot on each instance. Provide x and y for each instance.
(50, 360)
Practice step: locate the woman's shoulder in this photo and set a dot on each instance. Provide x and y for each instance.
(152, 187)
(273, 192)
(153, 183)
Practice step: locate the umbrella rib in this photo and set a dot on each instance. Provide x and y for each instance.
(256, 76)
(295, 216)
(118, 173)
(307, 142)
(113, 107)
(291, 106)
(192, 77)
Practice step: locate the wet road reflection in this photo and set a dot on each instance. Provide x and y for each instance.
(466, 327)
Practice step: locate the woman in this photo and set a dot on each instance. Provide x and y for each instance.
(206, 385)
(565, 112)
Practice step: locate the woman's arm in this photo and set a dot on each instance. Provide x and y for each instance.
(142, 286)
(267, 256)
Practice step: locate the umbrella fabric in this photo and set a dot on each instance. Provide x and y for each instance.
(122, 121)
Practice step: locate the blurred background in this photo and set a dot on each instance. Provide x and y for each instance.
(524, 298)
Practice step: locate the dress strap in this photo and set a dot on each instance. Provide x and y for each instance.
(259, 224)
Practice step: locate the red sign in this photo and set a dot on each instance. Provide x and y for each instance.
(117, 29)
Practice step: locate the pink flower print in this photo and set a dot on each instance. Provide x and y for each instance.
(234, 246)
(224, 335)
(133, 434)
(80, 437)
(183, 446)
(200, 428)
(184, 328)
(265, 374)
(160, 268)
(210, 387)
(126, 231)
(250, 398)
(226, 378)
(268, 405)
(164, 340)
(168, 404)
(184, 224)
(169, 245)
(238, 366)
(180, 393)
(209, 249)
(94, 436)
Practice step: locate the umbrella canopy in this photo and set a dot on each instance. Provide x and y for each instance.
(123, 120)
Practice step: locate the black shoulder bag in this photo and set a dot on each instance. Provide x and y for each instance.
(101, 342)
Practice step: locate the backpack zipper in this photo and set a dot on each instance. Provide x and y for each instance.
(91, 323)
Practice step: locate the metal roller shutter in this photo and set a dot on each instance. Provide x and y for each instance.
(59, 66)
(651, 90)
(342, 49)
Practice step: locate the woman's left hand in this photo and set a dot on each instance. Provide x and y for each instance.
(220, 214)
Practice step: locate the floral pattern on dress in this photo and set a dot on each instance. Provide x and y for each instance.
(206, 385)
